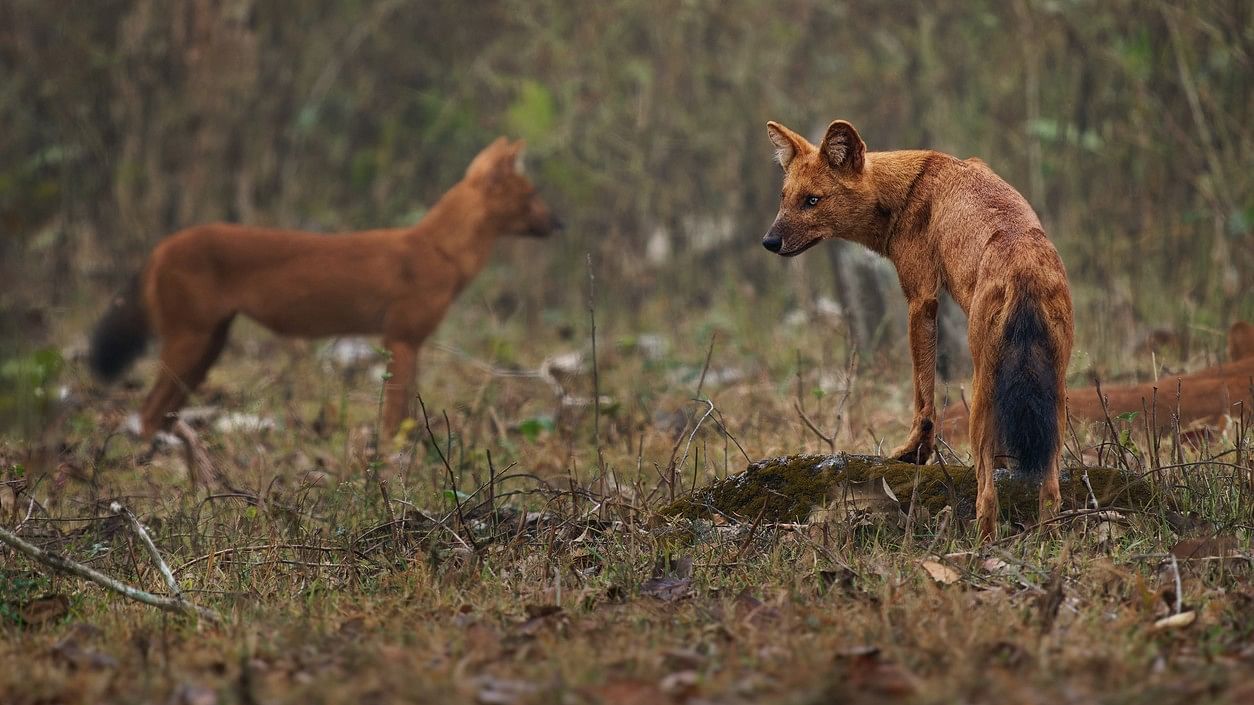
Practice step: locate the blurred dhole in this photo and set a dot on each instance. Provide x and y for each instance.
(397, 283)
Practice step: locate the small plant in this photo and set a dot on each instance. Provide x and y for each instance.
(28, 388)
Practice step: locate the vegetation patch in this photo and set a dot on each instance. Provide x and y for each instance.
(788, 488)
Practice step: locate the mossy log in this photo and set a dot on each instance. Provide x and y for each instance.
(788, 488)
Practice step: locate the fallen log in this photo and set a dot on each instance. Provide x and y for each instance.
(788, 488)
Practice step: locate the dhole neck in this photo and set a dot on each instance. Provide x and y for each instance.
(894, 176)
(459, 230)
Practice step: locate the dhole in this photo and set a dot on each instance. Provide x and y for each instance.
(395, 282)
(1205, 396)
(1240, 341)
(945, 222)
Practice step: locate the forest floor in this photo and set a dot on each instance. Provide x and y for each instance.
(509, 549)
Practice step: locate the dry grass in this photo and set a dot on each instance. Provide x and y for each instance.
(347, 575)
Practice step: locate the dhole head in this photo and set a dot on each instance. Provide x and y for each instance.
(1240, 341)
(509, 196)
(826, 193)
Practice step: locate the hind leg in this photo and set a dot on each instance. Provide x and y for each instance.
(186, 357)
(984, 435)
(984, 431)
(1051, 494)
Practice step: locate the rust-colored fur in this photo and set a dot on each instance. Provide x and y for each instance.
(396, 282)
(1207, 396)
(1240, 341)
(945, 222)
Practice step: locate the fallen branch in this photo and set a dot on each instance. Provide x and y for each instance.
(57, 562)
(145, 539)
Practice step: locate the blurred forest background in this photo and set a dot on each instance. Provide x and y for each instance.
(1129, 125)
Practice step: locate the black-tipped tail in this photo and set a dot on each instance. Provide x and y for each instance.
(1025, 391)
(121, 334)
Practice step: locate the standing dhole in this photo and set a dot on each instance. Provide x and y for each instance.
(396, 282)
(945, 222)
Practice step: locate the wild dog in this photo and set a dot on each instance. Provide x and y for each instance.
(945, 222)
(1240, 341)
(397, 283)
(1206, 396)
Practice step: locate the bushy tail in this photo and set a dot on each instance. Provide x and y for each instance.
(1025, 390)
(121, 334)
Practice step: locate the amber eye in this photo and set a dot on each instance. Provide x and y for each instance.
(812, 201)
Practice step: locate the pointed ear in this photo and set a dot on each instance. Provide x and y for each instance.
(486, 159)
(844, 149)
(788, 144)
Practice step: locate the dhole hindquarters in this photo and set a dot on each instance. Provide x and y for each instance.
(397, 283)
(945, 222)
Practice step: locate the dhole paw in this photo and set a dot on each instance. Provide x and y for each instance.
(918, 449)
(917, 454)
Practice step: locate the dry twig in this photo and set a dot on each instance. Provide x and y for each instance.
(174, 604)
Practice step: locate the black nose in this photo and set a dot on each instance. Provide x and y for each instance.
(772, 242)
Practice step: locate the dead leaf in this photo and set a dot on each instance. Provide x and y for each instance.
(73, 649)
(537, 617)
(352, 627)
(79, 657)
(680, 684)
(193, 694)
(841, 578)
(667, 589)
(683, 659)
(43, 610)
(940, 572)
(864, 670)
(1205, 547)
(995, 565)
(1108, 532)
(628, 692)
(671, 581)
(1176, 621)
(539, 611)
(751, 609)
(673, 567)
(490, 690)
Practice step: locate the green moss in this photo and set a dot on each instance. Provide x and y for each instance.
(788, 488)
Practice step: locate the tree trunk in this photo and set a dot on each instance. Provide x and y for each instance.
(867, 288)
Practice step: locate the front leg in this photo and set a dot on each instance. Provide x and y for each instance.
(398, 389)
(919, 445)
(409, 323)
